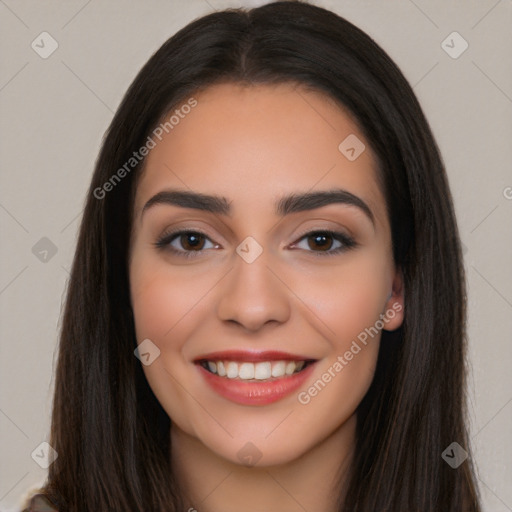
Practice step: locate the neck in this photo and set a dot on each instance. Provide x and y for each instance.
(313, 481)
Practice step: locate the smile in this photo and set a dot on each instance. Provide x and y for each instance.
(254, 371)
(254, 378)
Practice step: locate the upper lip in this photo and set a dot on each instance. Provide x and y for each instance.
(252, 356)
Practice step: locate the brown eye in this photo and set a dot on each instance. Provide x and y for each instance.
(322, 241)
(326, 243)
(184, 243)
(191, 241)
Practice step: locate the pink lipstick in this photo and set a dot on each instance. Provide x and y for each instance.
(254, 377)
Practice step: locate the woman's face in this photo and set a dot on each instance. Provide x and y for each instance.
(263, 306)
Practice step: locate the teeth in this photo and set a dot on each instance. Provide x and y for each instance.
(290, 368)
(278, 369)
(232, 370)
(221, 371)
(259, 371)
(246, 371)
(262, 371)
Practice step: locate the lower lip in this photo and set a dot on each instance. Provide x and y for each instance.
(256, 393)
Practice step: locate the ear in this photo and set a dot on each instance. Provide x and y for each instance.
(394, 310)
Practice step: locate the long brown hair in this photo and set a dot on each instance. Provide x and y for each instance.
(111, 434)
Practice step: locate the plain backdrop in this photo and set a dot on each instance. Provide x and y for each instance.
(55, 110)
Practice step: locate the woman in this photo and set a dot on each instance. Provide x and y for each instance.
(266, 308)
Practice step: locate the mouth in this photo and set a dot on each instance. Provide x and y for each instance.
(255, 372)
(254, 378)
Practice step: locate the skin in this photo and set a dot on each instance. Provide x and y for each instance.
(253, 145)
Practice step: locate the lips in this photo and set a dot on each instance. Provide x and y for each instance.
(254, 377)
(251, 356)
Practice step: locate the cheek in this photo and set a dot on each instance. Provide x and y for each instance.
(156, 307)
(164, 298)
(350, 316)
(345, 305)
(344, 300)
(166, 306)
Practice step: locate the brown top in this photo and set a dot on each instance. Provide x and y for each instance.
(39, 503)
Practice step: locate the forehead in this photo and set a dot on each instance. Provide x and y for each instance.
(253, 144)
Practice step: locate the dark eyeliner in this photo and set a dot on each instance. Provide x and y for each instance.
(163, 243)
(347, 241)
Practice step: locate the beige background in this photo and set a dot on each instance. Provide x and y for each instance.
(54, 112)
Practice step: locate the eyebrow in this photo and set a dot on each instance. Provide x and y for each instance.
(286, 205)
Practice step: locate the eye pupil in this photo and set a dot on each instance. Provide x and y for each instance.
(320, 240)
(193, 240)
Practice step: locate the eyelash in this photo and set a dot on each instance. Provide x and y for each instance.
(163, 243)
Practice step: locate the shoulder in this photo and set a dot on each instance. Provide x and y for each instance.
(39, 503)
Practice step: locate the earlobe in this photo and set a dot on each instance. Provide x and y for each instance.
(394, 310)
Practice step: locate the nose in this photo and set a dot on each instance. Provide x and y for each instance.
(253, 294)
